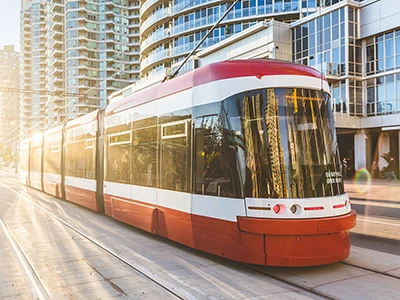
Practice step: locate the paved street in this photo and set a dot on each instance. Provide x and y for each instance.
(378, 208)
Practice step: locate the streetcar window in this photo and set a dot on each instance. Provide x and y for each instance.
(55, 149)
(216, 163)
(173, 130)
(175, 158)
(144, 156)
(119, 153)
(51, 158)
(90, 158)
(36, 157)
(75, 159)
(24, 158)
(175, 165)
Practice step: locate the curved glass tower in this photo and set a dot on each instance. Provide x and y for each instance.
(171, 29)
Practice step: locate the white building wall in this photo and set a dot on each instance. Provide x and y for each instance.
(384, 147)
(360, 150)
(378, 16)
(264, 40)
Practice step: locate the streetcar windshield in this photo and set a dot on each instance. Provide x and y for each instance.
(279, 143)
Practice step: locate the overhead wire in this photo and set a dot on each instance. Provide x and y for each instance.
(72, 100)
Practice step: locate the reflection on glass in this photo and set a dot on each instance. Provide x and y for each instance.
(270, 143)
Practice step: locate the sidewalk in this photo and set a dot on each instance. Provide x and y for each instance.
(379, 189)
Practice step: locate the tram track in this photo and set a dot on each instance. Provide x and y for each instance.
(313, 290)
(181, 293)
(288, 282)
(35, 285)
(370, 270)
(172, 290)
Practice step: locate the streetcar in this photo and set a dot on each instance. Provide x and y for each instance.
(237, 158)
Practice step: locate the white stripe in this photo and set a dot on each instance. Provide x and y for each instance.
(35, 175)
(82, 183)
(117, 189)
(222, 89)
(52, 177)
(176, 102)
(175, 200)
(145, 194)
(218, 207)
(301, 203)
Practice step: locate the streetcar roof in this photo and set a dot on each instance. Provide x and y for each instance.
(89, 117)
(213, 72)
(53, 130)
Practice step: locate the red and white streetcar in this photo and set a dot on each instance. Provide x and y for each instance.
(237, 158)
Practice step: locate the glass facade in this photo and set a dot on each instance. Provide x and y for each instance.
(79, 51)
(273, 143)
(170, 30)
(362, 83)
(33, 63)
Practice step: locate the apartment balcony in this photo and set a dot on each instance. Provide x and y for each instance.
(27, 47)
(57, 16)
(57, 6)
(57, 44)
(27, 20)
(58, 62)
(57, 72)
(154, 20)
(135, 24)
(158, 37)
(57, 53)
(157, 57)
(134, 5)
(149, 5)
(56, 35)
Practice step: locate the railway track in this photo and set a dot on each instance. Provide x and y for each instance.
(180, 291)
(36, 286)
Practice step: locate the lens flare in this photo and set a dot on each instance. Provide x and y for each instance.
(362, 180)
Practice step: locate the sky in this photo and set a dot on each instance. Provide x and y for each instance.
(9, 23)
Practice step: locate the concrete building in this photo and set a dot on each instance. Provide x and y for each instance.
(33, 66)
(75, 54)
(356, 44)
(171, 29)
(9, 97)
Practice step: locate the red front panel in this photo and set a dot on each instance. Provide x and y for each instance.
(303, 242)
(276, 242)
(82, 197)
(306, 250)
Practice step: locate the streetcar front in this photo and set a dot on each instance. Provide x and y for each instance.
(292, 177)
(275, 146)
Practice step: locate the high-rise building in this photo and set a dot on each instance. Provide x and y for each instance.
(75, 54)
(33, 66)
(9, 96)
(356, 44)
(171, 29)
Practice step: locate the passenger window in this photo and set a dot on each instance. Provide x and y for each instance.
(119, 158)
(144, 156)
(213, 175)
(174, 156)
